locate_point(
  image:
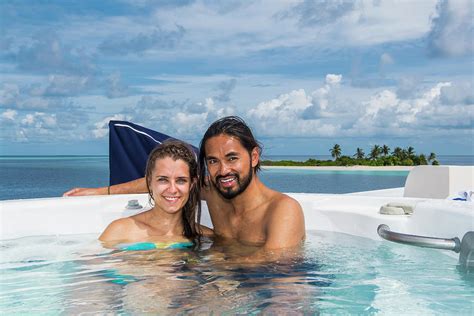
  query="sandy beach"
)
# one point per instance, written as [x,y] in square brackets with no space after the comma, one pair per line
[344,168]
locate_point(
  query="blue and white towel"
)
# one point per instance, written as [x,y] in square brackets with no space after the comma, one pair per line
[463,196]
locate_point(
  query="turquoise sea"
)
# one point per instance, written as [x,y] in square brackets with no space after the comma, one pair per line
[49,176]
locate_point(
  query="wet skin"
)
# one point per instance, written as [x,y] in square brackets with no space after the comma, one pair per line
[241,206]
[170,185]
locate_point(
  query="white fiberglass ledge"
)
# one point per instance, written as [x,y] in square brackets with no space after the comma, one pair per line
[350,214]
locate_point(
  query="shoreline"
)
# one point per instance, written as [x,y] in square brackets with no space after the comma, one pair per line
[344,168]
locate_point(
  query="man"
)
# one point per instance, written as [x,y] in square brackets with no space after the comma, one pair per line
[240,205]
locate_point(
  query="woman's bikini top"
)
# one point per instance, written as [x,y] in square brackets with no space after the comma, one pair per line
[154,245]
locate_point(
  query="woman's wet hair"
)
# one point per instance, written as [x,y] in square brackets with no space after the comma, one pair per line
[178,150]
[232,126]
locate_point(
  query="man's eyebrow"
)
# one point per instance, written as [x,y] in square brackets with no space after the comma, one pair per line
[229,154]
[232,153]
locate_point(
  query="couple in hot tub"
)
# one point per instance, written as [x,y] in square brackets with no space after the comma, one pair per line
[241,207]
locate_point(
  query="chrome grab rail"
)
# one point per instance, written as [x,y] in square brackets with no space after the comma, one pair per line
[453,244]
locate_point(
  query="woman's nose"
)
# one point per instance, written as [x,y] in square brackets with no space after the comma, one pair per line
[172,187]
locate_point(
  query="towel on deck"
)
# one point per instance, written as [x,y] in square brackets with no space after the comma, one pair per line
[129,147]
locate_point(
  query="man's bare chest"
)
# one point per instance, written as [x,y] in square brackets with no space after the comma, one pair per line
[247,230]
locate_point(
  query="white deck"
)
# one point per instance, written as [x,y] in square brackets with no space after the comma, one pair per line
[351,214]
[356,214]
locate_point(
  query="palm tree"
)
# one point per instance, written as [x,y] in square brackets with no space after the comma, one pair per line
[336,151]
[385,150]
[431,157]
[375,152]
[398,152]
[410,152]
[359,153]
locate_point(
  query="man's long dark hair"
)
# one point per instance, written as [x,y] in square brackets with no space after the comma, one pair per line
[232,126]
[179,150]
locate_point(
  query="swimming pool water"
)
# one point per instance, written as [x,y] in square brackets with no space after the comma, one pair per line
[335,274]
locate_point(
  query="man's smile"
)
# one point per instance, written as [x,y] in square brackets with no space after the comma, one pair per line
[227,181]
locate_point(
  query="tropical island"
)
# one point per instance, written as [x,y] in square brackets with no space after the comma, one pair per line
[379,156]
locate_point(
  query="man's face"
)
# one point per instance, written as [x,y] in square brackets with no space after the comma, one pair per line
[229,164]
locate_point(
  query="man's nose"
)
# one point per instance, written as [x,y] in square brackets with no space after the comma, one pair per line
[224,169]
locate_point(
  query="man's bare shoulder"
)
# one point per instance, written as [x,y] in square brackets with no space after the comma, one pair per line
[285,210]
[285,225]
[284,203]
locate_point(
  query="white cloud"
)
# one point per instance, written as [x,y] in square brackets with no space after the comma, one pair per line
[283,117]
[225,89]
[383,100]
[323,114]
[28,120]
[193,125]
[333,79]
[47,52]
[387,21]
[157,38]
[404,117]
[61,85]
[102,127]
[173,67]
[9,114]
[457,94]
[114,86]
[267,24]
[40,120]
[286,106]
[452,29]
[9,94]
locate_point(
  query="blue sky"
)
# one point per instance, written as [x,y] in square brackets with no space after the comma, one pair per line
[304,74]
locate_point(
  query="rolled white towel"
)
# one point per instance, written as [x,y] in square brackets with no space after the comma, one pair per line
[408,208]
[397,208]
[391,210]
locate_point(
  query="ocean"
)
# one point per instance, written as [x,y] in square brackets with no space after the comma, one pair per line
[25,177]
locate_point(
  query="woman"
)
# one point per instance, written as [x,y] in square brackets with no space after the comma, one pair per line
[171,178]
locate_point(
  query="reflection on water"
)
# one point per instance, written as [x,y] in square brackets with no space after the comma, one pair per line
[333,273]
[70,277]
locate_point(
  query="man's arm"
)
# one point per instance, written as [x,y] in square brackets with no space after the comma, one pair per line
[134,186]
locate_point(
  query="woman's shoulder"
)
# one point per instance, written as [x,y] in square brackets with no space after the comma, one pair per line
[118,229]
[124,223]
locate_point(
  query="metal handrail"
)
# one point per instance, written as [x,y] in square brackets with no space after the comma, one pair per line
[453,244]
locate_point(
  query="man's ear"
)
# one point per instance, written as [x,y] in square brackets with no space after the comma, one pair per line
[255,156]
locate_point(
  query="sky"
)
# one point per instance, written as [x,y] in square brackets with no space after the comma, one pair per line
[305,75]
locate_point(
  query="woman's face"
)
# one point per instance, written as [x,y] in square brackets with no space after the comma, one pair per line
[170,184]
